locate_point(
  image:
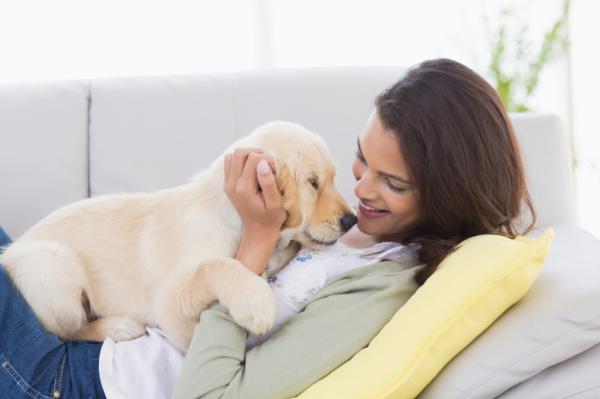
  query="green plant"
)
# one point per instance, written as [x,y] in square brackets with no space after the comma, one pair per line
[514,68]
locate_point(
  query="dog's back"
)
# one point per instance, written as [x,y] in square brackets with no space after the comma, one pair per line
[113,251]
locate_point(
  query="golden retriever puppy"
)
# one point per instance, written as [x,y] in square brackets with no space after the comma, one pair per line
[110,265]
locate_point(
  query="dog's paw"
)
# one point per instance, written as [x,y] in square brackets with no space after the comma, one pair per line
[253,306]
[123,329]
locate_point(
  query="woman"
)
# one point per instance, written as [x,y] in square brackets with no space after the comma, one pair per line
[437,163]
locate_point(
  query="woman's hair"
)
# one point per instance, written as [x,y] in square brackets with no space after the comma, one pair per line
[462,155]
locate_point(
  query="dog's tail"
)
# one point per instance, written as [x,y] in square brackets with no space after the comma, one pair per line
[52,279]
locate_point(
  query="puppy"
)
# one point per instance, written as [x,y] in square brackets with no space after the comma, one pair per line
[108,266]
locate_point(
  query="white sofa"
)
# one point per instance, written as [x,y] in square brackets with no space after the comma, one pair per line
[68,140]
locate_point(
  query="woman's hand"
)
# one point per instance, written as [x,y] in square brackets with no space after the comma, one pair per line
[250,186]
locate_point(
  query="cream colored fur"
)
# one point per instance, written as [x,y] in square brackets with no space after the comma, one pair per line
[110,265]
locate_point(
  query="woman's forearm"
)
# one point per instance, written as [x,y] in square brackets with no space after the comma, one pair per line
[256,246]
[343,317]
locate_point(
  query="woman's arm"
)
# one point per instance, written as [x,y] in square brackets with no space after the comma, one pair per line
[251,188]
[341,320]
[256,246]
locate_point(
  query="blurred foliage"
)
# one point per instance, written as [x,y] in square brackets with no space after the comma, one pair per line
[515,66]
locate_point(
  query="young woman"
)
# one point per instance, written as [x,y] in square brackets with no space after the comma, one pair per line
[437,163]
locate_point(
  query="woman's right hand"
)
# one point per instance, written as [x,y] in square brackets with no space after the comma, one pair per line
[250,186]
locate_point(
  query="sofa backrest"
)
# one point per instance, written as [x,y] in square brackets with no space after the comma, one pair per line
[64,141]
[43,150]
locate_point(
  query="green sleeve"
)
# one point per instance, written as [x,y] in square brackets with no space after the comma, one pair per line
[340,321]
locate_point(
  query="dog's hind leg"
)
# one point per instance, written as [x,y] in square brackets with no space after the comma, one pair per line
[117,328]
[51,279]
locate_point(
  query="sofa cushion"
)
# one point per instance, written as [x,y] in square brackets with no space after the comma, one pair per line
[556,320]
[157,132]
[43,150]
[474,285]
[576,377]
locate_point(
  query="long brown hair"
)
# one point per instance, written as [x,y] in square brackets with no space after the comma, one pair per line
[462,154]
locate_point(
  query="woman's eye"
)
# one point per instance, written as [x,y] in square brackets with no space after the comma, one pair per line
[314,183]
[396,188]
[359,156]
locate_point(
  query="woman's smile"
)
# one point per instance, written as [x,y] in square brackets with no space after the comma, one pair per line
[371,212]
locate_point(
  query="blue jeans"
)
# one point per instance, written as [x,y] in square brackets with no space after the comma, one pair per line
[35,363]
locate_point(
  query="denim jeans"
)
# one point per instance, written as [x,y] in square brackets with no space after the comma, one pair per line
[35,363]
[4,239]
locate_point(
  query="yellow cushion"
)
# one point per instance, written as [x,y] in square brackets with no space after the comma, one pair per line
[473,286]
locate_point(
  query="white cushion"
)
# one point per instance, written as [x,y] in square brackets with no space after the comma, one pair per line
[43,150]
[153,133]
[576,377]
[547,156]
[556,320]
[156,132]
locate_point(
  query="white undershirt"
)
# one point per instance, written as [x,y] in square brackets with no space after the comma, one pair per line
[147,367]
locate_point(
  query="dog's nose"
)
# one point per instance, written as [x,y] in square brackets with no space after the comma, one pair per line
[347,221]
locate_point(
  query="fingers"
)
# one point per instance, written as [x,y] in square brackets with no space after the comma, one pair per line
[252,189]
[266,180]
[240,155]
[249,178]
[233,166]
[240,171]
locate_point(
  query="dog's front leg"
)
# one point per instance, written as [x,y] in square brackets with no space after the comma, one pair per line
[248,297]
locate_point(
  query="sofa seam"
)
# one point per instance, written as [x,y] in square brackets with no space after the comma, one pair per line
[88,137]
[234,105]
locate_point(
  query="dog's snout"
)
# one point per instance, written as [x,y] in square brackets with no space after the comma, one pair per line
[347,221]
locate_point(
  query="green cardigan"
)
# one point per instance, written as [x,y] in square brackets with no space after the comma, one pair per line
[342,319]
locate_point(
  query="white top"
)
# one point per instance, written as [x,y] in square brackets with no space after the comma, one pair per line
[147,367]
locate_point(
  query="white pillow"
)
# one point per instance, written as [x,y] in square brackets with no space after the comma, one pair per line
[557,319]
[575,376]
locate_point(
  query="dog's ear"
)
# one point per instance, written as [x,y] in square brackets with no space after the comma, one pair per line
[283,172]
[285,178]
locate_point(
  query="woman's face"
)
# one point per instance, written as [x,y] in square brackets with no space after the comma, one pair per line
[388,204]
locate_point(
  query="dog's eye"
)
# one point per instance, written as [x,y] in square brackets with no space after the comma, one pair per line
[315,183]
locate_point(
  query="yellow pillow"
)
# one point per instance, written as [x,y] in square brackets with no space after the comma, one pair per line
[473,286]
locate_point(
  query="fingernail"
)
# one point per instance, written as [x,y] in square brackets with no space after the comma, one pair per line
[263,167]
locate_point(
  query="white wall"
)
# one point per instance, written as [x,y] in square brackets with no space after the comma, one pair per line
[71,39]
[585,77]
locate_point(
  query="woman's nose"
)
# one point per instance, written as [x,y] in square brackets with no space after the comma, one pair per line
[364,187]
